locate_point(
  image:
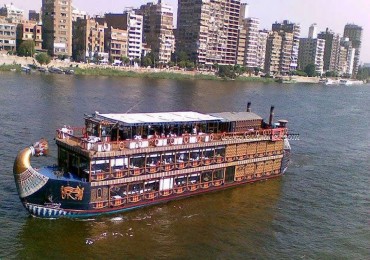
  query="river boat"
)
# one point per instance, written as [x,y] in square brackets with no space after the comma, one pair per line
[348,82]
[118,162]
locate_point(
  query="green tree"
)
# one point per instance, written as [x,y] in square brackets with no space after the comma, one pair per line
[147,61]
[189,65]
[363,73]
[43,58]
[182,64]
[310,69]
[226,71]
[183,56]
[171,64]
[26,48]
[137,60]
[125,60]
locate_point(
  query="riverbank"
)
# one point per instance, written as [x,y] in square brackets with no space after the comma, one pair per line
[11,63]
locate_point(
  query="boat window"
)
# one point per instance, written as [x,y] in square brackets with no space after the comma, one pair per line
[208,153]
[99,193]
[151,186]
[119,162]
[230,173]
[153,159]
[195,154]
[100,165]
[119,190]
[193,178]
[218,174]
[137,161]
[63,158]
[168,158]
[182,156]
[220,151]
[206,176]
[180,181]
[135,188]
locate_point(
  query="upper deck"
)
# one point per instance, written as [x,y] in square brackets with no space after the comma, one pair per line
[107,135]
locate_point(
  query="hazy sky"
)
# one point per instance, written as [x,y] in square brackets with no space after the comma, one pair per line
[326,13]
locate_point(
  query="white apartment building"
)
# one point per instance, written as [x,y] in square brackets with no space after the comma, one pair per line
[7,36]
[12,13]
[251,42]
[135,35]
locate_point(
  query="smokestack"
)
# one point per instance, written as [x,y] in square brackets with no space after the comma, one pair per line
[249,107]
[271,115]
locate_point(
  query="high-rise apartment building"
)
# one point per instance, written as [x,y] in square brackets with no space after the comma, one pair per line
[312,31]
[158,30]
[311,51]
[11,13]
[354,34]
[295,29]
[57,26]
[251,42]
[133,24]
[331,52]
[88,39]
[208,30]
[273,53]
[7,35]
[261,48]
[30,31]
[240,55]
[346,59]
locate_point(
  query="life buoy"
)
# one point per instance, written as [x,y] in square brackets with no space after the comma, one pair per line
[172,140]
[186,139]
[211,137]
[121,145]
[156,141]
[223,136]
[245,135]
[199,138]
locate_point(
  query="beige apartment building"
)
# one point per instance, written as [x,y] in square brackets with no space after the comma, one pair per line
[208,30]
[116,43]
[158,30]
[88,39]
[57,26]
[295,30]
[30,31]
[273,53]
[261,48]
[7,35]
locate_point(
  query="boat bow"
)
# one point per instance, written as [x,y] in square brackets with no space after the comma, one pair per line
[27,179]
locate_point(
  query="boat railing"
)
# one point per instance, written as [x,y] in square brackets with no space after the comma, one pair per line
[77,136]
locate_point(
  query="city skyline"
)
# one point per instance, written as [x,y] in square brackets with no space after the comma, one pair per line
[335,17]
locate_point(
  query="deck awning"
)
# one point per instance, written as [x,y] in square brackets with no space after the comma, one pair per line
[159,118]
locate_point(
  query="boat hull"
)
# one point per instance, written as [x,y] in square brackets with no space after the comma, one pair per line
[57,210]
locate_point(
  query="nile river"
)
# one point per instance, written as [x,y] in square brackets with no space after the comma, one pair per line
[318,210]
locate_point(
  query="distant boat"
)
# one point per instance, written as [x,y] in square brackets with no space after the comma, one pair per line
[328,81]
[349,82]
[56,70]
[26,69]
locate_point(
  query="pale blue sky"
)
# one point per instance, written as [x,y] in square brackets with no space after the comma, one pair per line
[326,13]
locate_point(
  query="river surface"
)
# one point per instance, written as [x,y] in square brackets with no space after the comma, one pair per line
[318,210]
